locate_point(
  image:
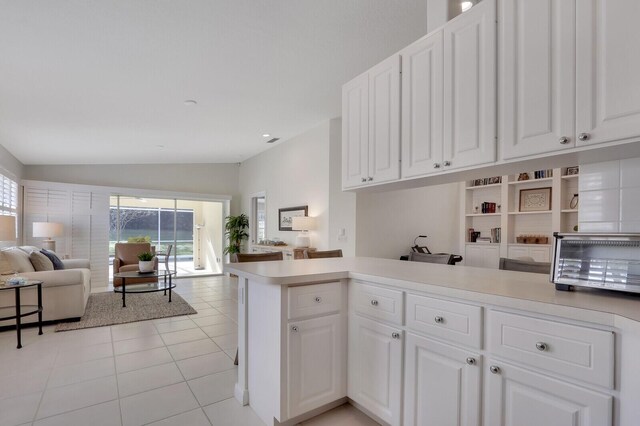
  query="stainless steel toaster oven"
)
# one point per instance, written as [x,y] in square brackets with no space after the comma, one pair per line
[606,261]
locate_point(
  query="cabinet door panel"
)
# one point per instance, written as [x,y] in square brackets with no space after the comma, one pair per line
[608,70]
[537,79]
[422,102]
[441,387]
[355,131]
[375,368]
[384,120]
[316,359]
[470,87]
[517,397]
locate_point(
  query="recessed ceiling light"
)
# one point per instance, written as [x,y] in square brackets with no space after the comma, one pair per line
[466,5]
[190,102]
[160,146]
[266,135]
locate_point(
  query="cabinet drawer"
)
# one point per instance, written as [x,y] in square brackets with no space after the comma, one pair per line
[453,321]
[579,352]
[316,299]
[379,302]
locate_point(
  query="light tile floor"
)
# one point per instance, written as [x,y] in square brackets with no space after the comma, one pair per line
[170,371]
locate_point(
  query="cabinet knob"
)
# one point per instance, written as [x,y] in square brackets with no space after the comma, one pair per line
[318,299]
[294,328]
[439,319]
[436,165]
[395,335]
[584,136]
[370,179]
[471,361]
[364,179]
[447,163]
[564,140]
[494,369]
[374,303]
[541,346]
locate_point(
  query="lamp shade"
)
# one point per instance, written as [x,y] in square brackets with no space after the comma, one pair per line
[303,223]
[7,228]
[47,229]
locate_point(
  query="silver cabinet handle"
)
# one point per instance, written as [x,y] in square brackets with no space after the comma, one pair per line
[294,328]
[494,369]
[395,335]
[439,319]
[370,179]
[564,140]
[374,302]
[447,163]
[436,165]
[541,346]
[584,136]
[364,179]
[471,361]
[318,299]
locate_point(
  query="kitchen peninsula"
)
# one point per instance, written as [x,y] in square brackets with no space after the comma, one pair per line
[411,344]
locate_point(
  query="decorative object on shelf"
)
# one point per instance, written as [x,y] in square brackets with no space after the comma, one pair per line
[476,209]
[275,243]
[145,262]
[48,230]
[535,200]
[573,204]
[303,224]
[473,235]
[285,216]
[532,239]
[523,176]
[236,231]
[573,170]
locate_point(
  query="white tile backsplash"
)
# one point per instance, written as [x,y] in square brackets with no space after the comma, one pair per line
[600,206]
[630,172]
[605,175]
[599,227]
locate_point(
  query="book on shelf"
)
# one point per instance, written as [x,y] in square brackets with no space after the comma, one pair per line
[543,174]
[487,207]
[483,240]
[496,235]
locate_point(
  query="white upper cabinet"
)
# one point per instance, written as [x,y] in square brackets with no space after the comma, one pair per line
[371,126]
[355,131]
[470,87]
[422,100]
[608,71]
[537,76]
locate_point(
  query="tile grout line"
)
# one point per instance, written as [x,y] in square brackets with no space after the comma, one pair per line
[55,360]
[115,370]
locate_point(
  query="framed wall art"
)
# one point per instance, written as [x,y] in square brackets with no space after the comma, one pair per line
[535,200]
[286,215]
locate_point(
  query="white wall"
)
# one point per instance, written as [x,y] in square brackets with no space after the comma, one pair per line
[387,222]
[293,173]
[219,179]
[11,163]
[610,196]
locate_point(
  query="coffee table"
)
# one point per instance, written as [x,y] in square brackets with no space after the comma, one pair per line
[160,285]
[17,309]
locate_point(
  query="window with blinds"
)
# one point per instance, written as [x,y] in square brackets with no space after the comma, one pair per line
[8,196]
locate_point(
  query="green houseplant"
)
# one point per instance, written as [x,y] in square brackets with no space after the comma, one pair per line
[236,231]
[145,262]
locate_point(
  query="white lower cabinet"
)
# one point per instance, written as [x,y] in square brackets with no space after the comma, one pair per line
[442,384]
[517,397]
[482,255]
[316,356]
[375,368]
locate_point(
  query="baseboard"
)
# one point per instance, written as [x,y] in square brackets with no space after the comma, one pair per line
[366,412]
[313,413]
[241,395]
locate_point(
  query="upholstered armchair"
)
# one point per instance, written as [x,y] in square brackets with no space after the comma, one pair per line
[126,260]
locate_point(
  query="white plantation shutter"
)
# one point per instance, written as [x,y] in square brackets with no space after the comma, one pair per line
[8,196]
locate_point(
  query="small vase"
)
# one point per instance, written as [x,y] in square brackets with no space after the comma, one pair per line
[146,265]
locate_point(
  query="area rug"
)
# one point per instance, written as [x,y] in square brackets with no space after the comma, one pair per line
[106,309]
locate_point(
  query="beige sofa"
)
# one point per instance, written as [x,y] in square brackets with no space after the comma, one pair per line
[64,292]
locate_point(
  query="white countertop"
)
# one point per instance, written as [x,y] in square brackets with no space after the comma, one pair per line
[515,289]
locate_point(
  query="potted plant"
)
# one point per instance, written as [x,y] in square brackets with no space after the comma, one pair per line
[236,231]
[145,262]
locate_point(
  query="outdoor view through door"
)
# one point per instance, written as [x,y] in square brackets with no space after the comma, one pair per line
[189,232]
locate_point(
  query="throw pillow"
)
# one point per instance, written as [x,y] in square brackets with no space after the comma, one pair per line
[40,262]
[5,265]
[19,260]
[57,263]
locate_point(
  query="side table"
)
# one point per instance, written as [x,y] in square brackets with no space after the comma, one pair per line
[18,308]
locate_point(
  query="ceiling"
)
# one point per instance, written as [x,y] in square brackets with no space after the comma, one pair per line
[104,81]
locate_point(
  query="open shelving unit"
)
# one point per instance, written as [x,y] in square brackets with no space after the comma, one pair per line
[513,222]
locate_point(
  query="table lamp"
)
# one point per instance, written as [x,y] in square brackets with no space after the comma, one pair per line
[304,224]
[47,230]
[7,228]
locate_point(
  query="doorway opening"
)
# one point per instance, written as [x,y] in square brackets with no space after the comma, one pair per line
[258,220]
[189,232]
